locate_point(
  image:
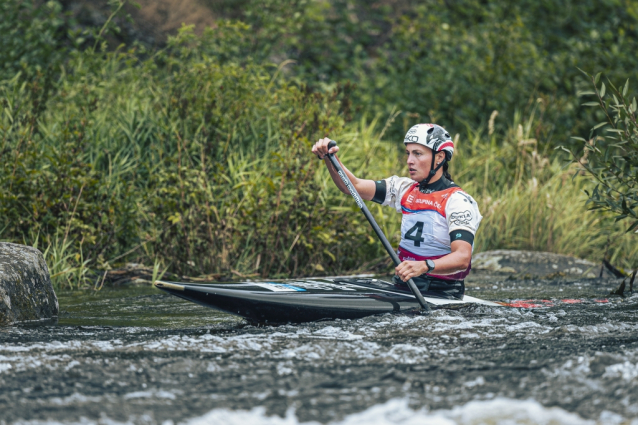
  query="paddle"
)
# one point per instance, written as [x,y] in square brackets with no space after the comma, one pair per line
[357,198]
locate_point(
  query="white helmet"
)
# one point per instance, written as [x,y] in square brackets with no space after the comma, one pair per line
[432,136]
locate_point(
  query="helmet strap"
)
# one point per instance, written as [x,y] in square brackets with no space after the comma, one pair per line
[433,170]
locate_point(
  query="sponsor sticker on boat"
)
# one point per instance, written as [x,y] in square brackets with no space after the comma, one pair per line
[278,287]
[302,286]
[322,286]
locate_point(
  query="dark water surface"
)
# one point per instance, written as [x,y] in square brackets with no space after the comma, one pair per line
[138,356]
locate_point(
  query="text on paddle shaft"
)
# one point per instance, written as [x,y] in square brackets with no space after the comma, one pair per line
[353,192]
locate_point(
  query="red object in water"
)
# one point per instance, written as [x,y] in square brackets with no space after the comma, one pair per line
[526,304]
[549,303]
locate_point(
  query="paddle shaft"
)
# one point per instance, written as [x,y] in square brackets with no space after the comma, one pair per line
[373,223]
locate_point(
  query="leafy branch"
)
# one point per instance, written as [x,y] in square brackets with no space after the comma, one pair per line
[610,154]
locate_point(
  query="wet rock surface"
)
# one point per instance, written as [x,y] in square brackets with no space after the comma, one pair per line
[26,292]
[534,264]
[135,355]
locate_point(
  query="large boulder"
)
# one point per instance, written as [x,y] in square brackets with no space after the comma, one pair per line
[533,263]
[26,292]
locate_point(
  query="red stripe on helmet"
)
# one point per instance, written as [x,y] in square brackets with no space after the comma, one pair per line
[445,145]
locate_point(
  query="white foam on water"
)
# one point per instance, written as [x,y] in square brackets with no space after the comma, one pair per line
[602,328]
[526,326]
[256,416]
[150,394]
[75,399]
[57,346]
[627,371]
[22,362]
[499,411]
[340,341]
[267,342]
[284,368]
[404,353]
[332,332]
[510,320]
[479,381]
[71,365]
[104,420]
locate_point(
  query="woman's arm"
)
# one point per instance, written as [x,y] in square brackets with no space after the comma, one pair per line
[456,261]
[366,188]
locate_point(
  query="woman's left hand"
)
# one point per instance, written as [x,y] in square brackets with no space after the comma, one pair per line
[409,269]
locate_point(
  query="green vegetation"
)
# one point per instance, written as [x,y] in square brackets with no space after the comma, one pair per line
[612,158]
[196,156]
[451,62]
[530,200]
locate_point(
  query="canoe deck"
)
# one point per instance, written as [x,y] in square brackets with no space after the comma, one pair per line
[307,300]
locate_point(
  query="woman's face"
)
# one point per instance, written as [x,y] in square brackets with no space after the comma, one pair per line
[419,161]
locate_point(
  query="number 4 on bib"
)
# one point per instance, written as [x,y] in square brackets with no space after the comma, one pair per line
[415,233]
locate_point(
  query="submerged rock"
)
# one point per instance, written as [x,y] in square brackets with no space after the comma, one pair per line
[532,263]
[26,292]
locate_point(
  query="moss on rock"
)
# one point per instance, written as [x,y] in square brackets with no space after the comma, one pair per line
[26,292]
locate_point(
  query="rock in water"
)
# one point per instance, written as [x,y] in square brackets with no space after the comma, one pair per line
[26,292]
[540,264]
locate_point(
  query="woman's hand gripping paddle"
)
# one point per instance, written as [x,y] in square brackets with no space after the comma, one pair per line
[335,163]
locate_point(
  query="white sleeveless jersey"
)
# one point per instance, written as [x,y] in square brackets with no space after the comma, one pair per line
[429,218]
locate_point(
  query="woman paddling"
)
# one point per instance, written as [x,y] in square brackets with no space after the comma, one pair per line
[439,218]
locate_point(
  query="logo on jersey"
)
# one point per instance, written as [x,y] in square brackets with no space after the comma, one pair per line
[428,202]
[461,218]
[414,201]
[467,197]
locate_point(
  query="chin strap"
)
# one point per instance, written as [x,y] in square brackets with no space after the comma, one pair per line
[423,184]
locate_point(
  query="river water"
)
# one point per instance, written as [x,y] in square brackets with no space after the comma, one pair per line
[136,355]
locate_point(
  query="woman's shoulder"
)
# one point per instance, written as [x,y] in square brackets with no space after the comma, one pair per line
[392,189]
[400,180]
[459,199]
[399,184]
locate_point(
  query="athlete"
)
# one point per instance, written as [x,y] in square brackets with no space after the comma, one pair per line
[439,218]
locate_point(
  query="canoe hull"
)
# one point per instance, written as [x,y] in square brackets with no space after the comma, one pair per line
[305,301]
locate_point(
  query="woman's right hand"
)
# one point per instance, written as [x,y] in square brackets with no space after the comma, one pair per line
[321,148]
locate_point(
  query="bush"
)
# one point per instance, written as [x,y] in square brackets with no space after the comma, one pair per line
[611,158]
[180,159]
[32,37]
[529,199]
[450,62]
